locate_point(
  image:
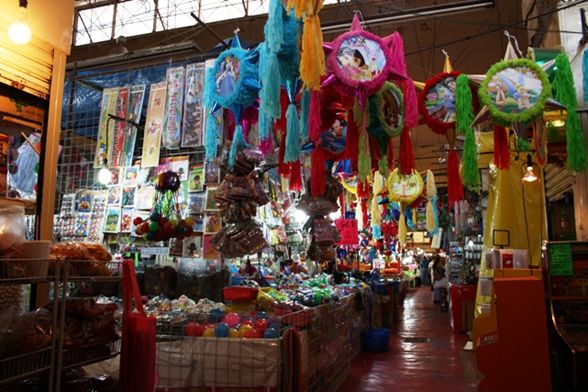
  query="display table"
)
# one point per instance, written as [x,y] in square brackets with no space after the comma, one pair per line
[462,300]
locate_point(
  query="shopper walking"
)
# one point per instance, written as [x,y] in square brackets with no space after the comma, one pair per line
[440,282]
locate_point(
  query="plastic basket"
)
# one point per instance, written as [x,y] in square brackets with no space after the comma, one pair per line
[237,293]
[375,340]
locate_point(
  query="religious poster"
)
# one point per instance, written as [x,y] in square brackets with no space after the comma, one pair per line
[192,122]
[154,125]
[128,106]
[171,135]
[104,142]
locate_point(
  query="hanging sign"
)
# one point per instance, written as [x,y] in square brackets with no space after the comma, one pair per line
[171,135]
[154,125]
[348,230]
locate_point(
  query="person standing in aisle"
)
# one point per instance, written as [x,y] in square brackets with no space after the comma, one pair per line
[440,282]
[425,274]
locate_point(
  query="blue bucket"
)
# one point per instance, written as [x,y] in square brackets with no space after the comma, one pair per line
[375,340]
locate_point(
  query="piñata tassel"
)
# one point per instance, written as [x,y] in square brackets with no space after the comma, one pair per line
[415,217]
[375,211]
[317,177]
[464,112]
[295,176]
[237,144]
[359,215]
[304,114]
[501,150]
[264,132]
[312,60]
[352,141]
[390,155]
[275,26]
[406,153]
[565,92]
[454,185]
[378,186]
[402,229]
[364,213]
[269,94]
[314,121]
[383,166]
[364,160]
[292,153]
[212,139]
[471,174]
[363,191]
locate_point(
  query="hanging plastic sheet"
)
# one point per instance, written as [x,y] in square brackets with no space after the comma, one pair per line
[517,207]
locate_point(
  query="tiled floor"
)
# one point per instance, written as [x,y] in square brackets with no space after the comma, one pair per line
[430,359]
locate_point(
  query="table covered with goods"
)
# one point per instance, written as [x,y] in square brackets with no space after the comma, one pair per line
[301,336]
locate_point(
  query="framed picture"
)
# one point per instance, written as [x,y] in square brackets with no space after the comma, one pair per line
[128,196]
[192,246]
[84,201]
[208,250]
[212,223]
[112,220]
[146,175]
[115,172]
[144,197]
[212,173]
[114,195]
[131,174]
[198,223]
[196,203]
[210,204]
[196,178]
[126,220]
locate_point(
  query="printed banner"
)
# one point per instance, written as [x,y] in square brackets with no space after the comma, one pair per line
[125,134]
[192,122]
[104,140]
[154,125]
[218,115]
[171,135]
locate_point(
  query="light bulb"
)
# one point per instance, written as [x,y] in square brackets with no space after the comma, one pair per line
[104,176]
[530,176]
[19,32]
[299,215]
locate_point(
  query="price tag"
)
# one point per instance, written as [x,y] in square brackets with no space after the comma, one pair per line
[560,259]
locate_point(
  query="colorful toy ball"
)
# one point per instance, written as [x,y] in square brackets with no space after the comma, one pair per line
[216,315]
[244,329]
[194,329]
[261,324]
[222,330]
[232,319]
[209,333]
[252,334]
[234,333]
[271,333]
[261,314]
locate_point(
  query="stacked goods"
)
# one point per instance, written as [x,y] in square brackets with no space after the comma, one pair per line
[98,257]
[238,196]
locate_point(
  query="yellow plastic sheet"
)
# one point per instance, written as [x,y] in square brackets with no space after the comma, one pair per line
[518,207]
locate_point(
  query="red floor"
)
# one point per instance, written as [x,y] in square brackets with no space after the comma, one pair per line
[434,365]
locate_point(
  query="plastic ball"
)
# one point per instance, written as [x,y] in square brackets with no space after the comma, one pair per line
[271,333]
[252,334]
[155,216]
[139,230]
[153,227]
[261,314]
[234,333]
[209,333]
[216,315]
[247,321]
[151,236]
[222,330]
[260,324]
[243,329]
[194,329]
[137,221]
[232,319]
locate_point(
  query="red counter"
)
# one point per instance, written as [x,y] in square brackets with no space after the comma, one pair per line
[462,299]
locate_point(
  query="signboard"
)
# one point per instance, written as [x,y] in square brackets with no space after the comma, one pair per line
[560,259]
[348,230]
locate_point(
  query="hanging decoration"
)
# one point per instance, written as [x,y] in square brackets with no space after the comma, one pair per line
[565,92]
[404,188]
[464,118]
[312,61]
[432,220]
[515,91]
[165,220]
[232,83]
[386,113]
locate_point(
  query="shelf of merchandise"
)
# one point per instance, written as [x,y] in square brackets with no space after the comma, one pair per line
[84,272]
[15,272]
